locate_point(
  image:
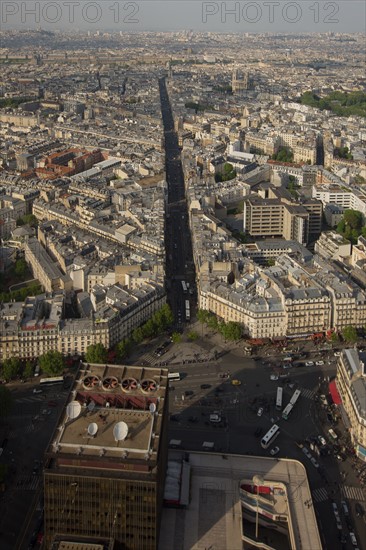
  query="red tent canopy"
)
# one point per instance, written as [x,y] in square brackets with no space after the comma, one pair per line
[334,393]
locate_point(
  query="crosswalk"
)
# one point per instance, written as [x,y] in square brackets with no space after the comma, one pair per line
[30,399]
[320,495]
[309,394]
[353,493]
[27,482]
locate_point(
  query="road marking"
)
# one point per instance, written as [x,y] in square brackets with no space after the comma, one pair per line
[320,495]
[353,493]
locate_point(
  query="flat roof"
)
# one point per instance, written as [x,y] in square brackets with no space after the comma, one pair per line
[214,517]
[113,412]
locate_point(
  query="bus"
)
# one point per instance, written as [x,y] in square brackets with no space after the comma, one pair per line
[188,311]
[287,411]
[184,287]
[279,398]
[174,376]
[295,397]
[52,381]
[270,436]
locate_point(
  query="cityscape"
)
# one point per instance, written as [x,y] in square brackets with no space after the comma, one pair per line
[182,281]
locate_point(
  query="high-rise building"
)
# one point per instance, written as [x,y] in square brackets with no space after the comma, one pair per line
[105,466]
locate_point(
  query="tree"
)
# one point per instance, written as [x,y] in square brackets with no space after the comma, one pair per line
[11,368]
[138,335]
[167,315]
[192,335]
[20,267]
[176,337]
[353,218]
[212,321]
[334,338]
[202,315]
[28,370]
[349,334]
[123,348]
[232,331]
[52,363]
[6,402]
[96,353]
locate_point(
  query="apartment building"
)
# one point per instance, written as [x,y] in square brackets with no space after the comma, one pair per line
[332,246]
[105,466]
[30,329]
[44,269]
[351,385]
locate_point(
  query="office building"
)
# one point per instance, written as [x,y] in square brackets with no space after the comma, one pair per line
[105,466]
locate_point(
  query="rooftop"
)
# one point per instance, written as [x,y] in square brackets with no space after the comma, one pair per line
[113,413]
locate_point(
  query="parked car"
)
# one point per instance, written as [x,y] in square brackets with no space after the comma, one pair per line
[187,393]
[322,440]
[260,411]
[205,386]
[309,364]
[236,382]
[274,377]
[319,363]
[314,462]
[37,391]
[274,451]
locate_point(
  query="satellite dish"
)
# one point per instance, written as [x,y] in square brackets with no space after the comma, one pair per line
[91,406]
[120,431]
[73,409]
[152,408]
[92,429]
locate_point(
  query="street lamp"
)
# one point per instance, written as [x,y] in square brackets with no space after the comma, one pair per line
[258,481]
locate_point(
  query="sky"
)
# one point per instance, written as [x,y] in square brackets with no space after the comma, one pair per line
[346,16]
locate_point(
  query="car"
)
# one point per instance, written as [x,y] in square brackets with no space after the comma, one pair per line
[306,452]
[274,377]
[260,411]
[175,417]
[353,538]
[359,510]
[345,508]
[322,440]
[337,354]
[205,386]
[37,391]
[309,364]
[274,451]
[319,363]
[258,432]
[236,382]
[187,393]
[314,462]
[193,419]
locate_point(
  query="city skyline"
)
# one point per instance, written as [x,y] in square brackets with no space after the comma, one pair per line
[180,16]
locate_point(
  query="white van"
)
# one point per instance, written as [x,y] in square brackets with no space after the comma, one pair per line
[208,446]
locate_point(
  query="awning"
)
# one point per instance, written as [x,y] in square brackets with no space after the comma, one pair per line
[334,393]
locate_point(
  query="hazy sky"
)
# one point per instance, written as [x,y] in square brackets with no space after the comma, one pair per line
[171,15]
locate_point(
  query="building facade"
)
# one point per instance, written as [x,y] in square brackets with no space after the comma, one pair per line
[351,384]
[105,467]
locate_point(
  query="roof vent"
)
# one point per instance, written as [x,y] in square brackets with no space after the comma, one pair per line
[149,386]
[129,384]
[110,383]
[91,382]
